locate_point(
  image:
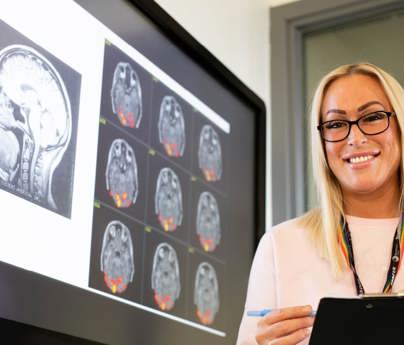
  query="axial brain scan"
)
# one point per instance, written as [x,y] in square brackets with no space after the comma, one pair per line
[121,174]
[126,95]
[210,154]
[35,123]
[171,127]
[208,222]
[165,277]
[117,258]
[168,200]
[206,293]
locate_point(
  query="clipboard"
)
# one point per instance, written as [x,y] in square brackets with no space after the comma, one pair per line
[367,319]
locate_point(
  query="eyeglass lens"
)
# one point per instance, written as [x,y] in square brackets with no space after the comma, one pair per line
[370,124]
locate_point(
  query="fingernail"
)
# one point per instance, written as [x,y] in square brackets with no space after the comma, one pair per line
[308,331]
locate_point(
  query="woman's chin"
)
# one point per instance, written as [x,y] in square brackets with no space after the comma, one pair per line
[361,188]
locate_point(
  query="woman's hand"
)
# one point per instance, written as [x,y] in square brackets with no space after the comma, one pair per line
[286,326]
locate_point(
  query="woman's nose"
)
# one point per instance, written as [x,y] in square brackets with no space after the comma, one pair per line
[356,136]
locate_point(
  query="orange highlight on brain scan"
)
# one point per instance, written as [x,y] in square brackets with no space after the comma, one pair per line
[164,302]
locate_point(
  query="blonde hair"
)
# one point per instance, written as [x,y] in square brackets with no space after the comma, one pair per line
[323,222]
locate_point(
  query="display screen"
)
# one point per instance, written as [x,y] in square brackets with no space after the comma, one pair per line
[159,222]
[127,173]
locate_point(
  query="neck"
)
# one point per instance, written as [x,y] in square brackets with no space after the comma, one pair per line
[384,203]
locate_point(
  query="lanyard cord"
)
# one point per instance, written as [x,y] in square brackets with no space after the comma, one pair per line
[396,253]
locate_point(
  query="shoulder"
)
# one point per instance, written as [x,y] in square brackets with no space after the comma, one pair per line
[288,225]
[290,228]
[308,225]
[294,235]
[291,236]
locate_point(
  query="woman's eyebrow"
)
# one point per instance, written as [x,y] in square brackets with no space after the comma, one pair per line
[368,104]
[338,111]
[362,107]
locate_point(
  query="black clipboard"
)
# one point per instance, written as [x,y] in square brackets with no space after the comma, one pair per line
[368,319]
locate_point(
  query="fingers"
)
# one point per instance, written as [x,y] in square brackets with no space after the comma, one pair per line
[287,313]
[291,339]
[285,326]
[286,330]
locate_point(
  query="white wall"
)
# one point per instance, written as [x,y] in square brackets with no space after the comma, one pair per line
[237,33]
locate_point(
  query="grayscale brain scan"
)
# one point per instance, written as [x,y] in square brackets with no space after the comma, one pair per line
[121,174]
[171,127]
[168,200]
[208,222]
[126,95]
[117,257]
[35,123]
[206,293]
[210,154]
[165,278]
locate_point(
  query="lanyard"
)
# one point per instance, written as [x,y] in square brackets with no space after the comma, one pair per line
[396,253]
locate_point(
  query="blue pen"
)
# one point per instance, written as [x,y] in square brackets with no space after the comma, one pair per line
[264,312]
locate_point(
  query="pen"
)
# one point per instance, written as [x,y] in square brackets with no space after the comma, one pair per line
[264,312]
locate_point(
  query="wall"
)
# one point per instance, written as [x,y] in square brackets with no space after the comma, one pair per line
[237,33]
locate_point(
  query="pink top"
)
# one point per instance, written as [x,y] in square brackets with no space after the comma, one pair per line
[287,271]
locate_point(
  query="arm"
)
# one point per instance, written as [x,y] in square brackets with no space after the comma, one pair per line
[261,291]
[285,326]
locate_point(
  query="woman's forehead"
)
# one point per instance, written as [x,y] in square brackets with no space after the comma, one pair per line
[349,93]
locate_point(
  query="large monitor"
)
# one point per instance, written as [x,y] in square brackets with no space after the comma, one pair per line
[131,176]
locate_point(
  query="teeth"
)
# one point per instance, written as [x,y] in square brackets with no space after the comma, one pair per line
[360,159]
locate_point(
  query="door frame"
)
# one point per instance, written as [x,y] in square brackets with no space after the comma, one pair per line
[288,24]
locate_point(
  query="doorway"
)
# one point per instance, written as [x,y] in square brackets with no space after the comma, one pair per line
[378,40]
[308,39]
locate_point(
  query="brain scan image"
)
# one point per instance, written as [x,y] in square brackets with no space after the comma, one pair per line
[126,95]
[168,200]
[35,123]
[206,293]
[121,174]
[208,222]
[171,127]
[165,278]
[210,154]
[117,258]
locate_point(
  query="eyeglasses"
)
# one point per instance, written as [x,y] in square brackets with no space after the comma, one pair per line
[369,124]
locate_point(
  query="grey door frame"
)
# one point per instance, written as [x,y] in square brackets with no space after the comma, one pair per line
[288,24]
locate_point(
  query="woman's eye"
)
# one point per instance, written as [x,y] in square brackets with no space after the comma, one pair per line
[335,125]
[374,117]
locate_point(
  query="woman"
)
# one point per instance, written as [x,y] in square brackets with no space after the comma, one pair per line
[356,120]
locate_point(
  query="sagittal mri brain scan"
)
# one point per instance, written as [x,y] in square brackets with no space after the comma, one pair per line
[126,95]
[208,222]
[165,278]
[117,257]
[121,174]
[171,127]
[210,154]
[206,293]
[35,122]
[168,200]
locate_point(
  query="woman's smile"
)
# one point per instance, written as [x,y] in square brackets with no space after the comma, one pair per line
[360,160]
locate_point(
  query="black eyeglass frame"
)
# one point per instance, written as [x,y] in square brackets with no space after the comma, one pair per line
[356,122]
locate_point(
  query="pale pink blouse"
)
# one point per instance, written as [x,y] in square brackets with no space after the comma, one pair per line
[287,271]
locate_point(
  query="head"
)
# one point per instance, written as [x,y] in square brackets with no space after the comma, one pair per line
[347,88]
[345,93]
